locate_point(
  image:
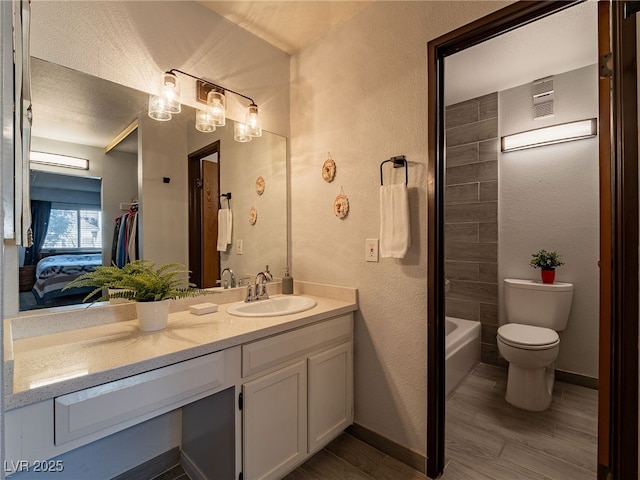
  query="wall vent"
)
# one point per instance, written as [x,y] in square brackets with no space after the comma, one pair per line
[543,96]
[543,87]
[543,110]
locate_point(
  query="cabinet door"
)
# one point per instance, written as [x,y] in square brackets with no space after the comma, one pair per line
[275,422]
[330,394]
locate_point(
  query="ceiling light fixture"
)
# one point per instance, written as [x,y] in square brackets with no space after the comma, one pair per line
[52,159]
[167,103]
[564,132]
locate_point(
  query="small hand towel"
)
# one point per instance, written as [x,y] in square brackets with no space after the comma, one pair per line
[395,228]
[225,222]
[229,225]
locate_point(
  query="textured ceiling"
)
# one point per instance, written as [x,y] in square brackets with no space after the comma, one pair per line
[288,25]
[74,107]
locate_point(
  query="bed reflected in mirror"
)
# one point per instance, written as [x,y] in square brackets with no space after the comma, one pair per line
[68,238]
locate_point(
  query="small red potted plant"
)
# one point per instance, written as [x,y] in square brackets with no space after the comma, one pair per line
[547,263]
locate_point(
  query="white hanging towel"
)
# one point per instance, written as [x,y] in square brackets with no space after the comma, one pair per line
[395,228]
[225,225]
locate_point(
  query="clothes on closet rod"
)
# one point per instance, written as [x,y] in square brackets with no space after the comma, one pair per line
[125,247]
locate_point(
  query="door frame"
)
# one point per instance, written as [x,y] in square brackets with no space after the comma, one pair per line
[195,192]
[618,394]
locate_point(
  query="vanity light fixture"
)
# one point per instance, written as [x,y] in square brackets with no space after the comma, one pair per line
[564,132]
[167,103]
[55,160]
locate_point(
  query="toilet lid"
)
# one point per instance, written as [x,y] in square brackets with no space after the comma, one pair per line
[528,337]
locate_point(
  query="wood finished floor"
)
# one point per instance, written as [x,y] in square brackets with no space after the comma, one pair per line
[346,458]
[488,439]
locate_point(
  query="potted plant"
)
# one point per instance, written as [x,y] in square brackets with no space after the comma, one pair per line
[547,263]
[142,283]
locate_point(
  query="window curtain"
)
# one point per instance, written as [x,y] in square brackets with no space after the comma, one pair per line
[40,211]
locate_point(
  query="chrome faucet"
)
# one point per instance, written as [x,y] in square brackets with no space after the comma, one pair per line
[232,278]
[257,291]
[261,286]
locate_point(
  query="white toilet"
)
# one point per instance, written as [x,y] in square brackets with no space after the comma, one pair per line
[529,341]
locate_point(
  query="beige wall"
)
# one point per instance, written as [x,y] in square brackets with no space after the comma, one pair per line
[360,93]
[549,199]
[265,242]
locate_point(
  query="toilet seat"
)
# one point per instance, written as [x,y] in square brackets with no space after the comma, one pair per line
[528,337]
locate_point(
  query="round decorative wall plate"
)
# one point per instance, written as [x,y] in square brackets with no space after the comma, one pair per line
[341,206]
[328,170]
[260,185]
[253,215]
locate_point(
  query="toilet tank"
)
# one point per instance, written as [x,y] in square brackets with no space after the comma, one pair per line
[531,302]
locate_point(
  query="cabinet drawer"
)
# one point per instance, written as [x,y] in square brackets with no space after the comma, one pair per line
[263,354]
[122,403]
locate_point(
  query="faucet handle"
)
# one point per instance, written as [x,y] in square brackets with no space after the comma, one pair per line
[249,296]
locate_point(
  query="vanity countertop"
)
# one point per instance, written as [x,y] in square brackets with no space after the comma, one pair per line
[46,366]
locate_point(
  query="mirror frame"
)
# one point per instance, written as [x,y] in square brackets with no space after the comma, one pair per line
[618,392]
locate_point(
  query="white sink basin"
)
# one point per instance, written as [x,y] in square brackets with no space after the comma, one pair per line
[274,306]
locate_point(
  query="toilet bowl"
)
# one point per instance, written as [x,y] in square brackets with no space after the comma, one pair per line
[531,353]
[530,342]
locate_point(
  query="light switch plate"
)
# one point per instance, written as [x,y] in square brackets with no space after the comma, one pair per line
[371,250]
[239,247]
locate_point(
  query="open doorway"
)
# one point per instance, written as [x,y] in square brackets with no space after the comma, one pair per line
[618,229]
[204,198]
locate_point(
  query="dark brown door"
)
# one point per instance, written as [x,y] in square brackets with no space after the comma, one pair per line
[618,357]
[210,196]
[204,194]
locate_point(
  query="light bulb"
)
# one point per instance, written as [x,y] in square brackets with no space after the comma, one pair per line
[216,109]
[253,121]
[241,133]
[170,92]
[157,109]
[204,122]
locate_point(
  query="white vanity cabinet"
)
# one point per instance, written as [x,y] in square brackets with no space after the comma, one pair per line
[297,395]
[52,427]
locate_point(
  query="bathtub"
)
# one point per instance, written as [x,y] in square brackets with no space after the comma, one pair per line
[462,350]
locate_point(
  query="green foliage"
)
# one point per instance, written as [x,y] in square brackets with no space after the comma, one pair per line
[138,281]
[546,260]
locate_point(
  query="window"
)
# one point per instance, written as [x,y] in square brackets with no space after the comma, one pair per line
[74,228]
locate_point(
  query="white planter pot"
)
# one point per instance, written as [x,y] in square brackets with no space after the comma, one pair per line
[152,315]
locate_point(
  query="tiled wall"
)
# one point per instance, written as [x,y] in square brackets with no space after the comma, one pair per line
[471,216]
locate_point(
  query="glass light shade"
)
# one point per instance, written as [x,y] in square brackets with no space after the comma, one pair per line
[216,108]
[204,122]
[253,121]
[241,133]
[157,110]
[170,92]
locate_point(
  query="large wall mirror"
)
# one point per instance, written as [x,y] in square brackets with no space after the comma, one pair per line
[139,168]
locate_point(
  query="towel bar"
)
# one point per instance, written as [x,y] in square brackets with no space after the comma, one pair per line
[228,197]
[398,162]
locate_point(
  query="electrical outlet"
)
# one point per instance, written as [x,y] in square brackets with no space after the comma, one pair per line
[238,247]
[371,250]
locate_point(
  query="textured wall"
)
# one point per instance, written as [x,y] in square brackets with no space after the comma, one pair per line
[264,243]
[548,198]
[164,212]
[360,93]
[471,216]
